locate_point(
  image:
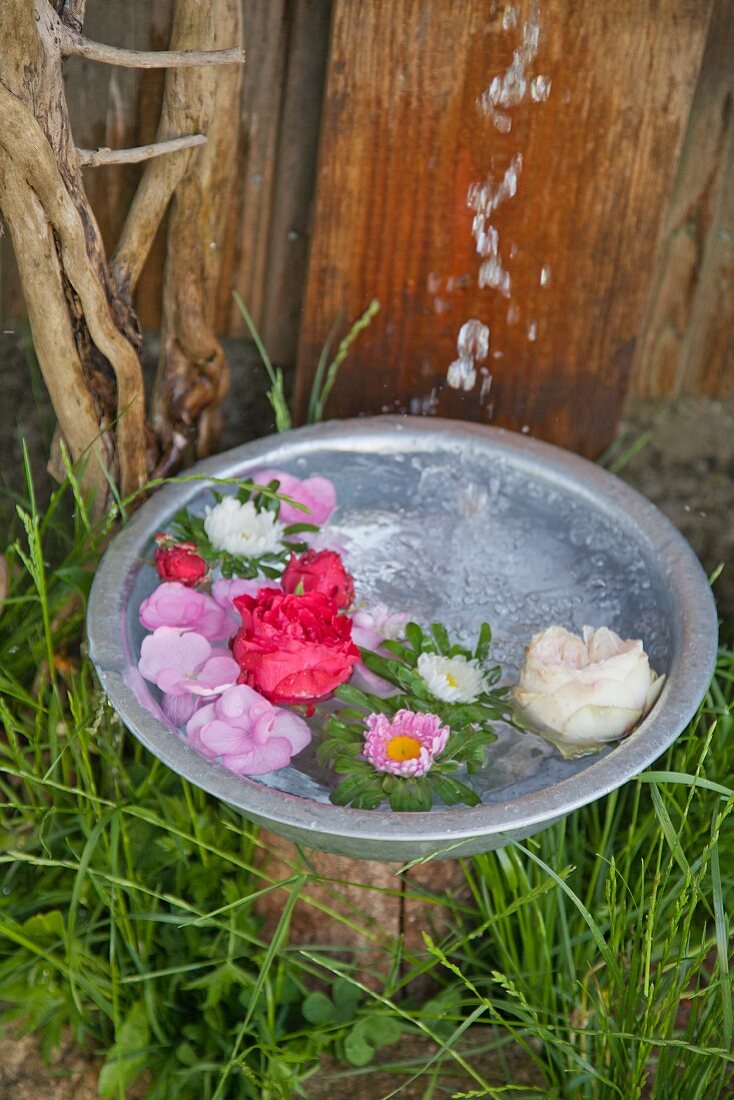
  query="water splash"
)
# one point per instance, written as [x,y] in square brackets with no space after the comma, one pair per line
[472,346]
[484,199]
[510,88]
[426,405]
[506,91]
[540,88]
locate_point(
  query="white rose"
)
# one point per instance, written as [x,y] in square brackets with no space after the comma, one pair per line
[582,692]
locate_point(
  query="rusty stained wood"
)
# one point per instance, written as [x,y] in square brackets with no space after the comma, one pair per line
[688,343]
[402,141]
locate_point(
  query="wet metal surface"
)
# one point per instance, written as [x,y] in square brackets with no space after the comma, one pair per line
[461,523]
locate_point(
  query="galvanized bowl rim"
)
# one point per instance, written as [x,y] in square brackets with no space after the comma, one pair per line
[695,636]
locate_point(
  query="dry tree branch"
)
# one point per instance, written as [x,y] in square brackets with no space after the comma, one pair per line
[74,43]
[27,146]
[192,370]
[103,156]
[71,12]
[180,110]
[53,334]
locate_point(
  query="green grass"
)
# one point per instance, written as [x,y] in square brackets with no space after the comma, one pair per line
[596,953]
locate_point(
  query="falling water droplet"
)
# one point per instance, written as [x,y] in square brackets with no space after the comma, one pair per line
[532,330]
[540,88]
[509,18]
[461,374]
[545,275]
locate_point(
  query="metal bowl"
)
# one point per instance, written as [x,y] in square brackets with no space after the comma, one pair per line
[456,522]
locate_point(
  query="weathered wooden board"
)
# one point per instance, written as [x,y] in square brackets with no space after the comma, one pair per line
[596,187]
[403,140]
[274,139]
[286,42]
[688,344]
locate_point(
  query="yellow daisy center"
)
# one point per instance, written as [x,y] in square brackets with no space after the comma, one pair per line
[403,748]
[450,680]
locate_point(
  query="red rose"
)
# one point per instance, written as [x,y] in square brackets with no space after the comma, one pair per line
[178,561]
[319,572]
[293,649]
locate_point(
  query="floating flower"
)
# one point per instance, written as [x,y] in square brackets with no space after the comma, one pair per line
[179,708]
[178,561]
[225,591]
[293,649]
[251,736]
[173,604]
[452,679]
[317,493]
[378,624]
[181,662]
[406,745]
[370,627]
[321,571]
[240,529]
[583,691]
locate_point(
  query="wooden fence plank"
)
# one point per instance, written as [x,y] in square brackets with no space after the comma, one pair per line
[688,344]
[289,236]
[576,192]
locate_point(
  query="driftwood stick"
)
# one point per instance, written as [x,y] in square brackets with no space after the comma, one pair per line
[28,148]
[192,374]
[103,156]
[73,43]
[80,421]
[71,12]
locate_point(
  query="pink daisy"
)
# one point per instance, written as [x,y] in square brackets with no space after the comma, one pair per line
[406,745]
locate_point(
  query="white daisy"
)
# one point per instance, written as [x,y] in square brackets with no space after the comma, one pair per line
[452,679]
[241,529]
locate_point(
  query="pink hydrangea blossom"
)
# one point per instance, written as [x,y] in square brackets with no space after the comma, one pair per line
[179,708]
[377,624]
[175,605]
[226,590]
[405,745]
[182,662]
[371,626]
[249,734]
[317,493]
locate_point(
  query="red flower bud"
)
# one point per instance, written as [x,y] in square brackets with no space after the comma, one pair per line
[319,572]
[178,561]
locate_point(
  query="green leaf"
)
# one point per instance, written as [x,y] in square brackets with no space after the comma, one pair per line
[483,643]
[411,795]
[382,1031]
[319,1009]
[346,995]
[452,792]
[349,788]
[415,637]
[128,1056]
[357,1049]
[441,635]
